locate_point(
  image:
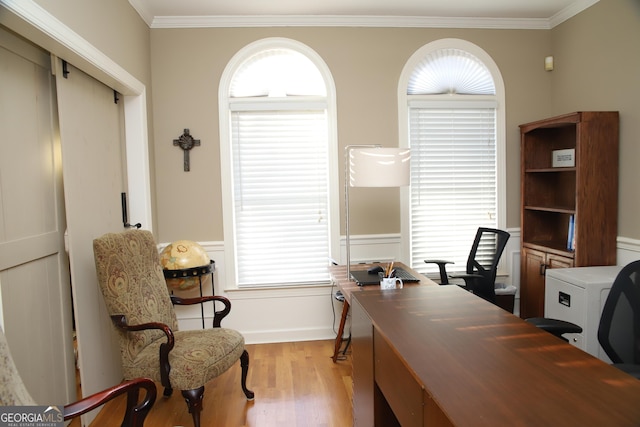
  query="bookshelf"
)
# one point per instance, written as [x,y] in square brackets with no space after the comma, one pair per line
[581,187]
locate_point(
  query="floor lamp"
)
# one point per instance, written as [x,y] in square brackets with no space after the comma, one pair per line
[373,166]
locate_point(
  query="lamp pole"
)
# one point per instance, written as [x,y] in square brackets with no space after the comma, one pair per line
[347,179]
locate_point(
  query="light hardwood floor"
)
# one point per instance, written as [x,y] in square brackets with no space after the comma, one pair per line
[296,384]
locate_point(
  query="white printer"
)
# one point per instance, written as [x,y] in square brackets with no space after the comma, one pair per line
[577,295]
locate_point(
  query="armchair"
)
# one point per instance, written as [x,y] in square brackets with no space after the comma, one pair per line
[138,301]
[14,393]
[482,266]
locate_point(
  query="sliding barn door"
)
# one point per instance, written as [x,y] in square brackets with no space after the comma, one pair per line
[93,158]
[35,302]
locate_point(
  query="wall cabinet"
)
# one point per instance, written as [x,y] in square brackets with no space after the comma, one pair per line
[569,191]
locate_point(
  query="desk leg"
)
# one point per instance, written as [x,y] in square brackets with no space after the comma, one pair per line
[343,320]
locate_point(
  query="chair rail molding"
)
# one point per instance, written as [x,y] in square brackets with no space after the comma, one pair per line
[628,250]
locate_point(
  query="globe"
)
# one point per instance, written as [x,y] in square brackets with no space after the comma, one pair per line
[180,255]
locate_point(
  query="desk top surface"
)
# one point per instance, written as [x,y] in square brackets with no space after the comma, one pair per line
[347,286]
[485,366]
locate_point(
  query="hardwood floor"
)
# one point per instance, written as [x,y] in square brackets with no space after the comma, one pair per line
[296,384]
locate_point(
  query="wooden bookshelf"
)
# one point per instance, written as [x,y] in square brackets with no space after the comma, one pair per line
[586,191]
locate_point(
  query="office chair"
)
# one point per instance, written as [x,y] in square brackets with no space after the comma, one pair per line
[619,328]
[14,393]
[482,266]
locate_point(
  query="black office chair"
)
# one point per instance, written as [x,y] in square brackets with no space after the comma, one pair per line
[482,265]
[619,328]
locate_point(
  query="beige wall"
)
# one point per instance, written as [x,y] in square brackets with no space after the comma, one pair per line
[598,68]
[113,27]
[365,63]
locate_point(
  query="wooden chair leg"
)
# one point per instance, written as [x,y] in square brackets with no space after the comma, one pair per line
[194,403]
[244,363]
[132,401]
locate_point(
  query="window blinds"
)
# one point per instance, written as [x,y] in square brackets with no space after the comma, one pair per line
[280,185]
[453,180]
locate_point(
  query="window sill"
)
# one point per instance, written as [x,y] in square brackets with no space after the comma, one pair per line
[279,291]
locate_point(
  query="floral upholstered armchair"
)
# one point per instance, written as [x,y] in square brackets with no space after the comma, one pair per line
[14,393]
[138,301]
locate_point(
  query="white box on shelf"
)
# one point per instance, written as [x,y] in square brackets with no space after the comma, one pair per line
[563,158]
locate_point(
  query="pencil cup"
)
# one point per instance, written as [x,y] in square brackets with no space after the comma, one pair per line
[390,283]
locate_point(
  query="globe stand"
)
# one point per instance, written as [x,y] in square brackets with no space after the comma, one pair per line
[194,272]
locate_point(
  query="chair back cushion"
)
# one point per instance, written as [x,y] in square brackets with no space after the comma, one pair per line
[619,328]
[12,389]
[132,284]
[484,257]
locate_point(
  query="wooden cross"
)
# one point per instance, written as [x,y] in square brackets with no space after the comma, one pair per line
[186,142]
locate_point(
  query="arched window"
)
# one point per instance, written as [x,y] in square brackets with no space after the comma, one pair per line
[452,101]
[278,153]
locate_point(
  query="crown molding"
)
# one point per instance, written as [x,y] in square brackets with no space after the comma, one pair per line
[245,21]
[143,11]
[570,11]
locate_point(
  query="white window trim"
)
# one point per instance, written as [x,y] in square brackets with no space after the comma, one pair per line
[225,145]
[404,102]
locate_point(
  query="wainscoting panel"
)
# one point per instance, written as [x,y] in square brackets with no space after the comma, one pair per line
[310,312]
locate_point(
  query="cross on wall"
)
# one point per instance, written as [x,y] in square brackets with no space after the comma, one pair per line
[186,143]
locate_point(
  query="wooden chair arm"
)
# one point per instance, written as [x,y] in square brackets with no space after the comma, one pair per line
[218,315]
[120,320]
[135,414]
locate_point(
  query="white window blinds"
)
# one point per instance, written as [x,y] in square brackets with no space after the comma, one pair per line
[280,190]
[453,180]
[451,71]
[277,73]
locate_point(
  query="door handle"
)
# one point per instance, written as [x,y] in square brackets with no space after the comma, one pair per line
[125,215]
[543,269]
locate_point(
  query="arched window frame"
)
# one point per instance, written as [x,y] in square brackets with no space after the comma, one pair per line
[403,119]
[226,154]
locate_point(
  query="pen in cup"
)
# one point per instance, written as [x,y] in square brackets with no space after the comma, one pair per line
[389,269]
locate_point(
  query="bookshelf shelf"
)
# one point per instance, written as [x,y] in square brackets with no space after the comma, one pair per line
[550,209]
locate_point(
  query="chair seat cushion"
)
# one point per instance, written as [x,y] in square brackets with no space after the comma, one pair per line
[197,357]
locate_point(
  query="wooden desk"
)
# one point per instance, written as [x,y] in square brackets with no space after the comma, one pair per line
[347,286]
[442,356]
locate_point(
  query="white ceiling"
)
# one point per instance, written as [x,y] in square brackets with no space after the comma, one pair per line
[443,13]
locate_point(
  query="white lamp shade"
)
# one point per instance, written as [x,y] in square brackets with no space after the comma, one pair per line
[379,167]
